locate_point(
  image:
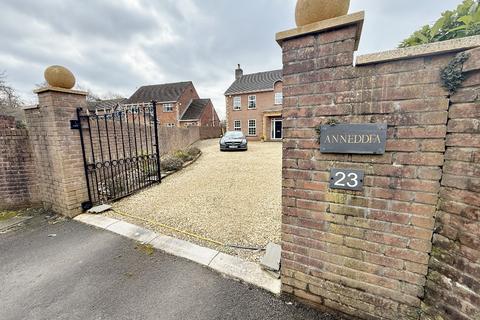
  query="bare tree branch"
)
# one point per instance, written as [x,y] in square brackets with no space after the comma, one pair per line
[8,96]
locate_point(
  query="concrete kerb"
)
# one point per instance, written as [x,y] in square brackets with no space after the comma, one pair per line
[228,265]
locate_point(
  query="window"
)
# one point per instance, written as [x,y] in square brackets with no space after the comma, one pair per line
[252,102]
[252,127]
[237,125]
[278,97]
[170,125]
[133,109]
[237,103]
[168,107]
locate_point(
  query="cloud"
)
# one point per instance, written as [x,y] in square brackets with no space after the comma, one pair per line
[119,45]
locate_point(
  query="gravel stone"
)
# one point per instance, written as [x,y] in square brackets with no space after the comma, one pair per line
[231,197]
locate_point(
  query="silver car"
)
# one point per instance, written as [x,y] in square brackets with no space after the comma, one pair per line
[233,140]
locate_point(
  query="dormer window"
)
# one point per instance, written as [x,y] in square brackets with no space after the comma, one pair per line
[168,107]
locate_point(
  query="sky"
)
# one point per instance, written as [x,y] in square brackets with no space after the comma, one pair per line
[116,46]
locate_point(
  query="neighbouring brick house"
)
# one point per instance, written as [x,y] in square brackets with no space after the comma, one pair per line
[254,105]
[178,104]
[200,112]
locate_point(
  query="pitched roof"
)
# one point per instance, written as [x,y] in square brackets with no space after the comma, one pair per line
[168,92]
[255,82]
[195,109]
[105,104]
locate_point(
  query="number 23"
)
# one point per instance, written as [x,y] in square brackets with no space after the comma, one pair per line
[352,181]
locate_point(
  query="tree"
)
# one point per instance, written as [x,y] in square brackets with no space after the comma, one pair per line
[10,102]
[8,96]
[461,22]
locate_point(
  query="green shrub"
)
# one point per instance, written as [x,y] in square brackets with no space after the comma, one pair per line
[182,155]
[171,163]
[193,151]
[464,21]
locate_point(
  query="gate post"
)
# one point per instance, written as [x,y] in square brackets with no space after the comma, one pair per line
[359,249]
[57,149]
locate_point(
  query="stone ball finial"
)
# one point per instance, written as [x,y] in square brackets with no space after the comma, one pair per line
[60,77]
[310,11]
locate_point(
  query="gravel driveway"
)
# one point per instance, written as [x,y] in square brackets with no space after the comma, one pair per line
[231,197]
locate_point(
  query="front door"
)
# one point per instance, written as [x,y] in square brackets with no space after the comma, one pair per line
[277,129]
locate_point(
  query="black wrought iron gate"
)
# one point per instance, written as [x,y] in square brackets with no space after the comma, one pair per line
[120,148]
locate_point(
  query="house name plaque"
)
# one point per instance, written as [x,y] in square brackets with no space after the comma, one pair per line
[353,138]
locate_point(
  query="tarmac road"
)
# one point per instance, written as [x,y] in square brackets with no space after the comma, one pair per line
[68,270]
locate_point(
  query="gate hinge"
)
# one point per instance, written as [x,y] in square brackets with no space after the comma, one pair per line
[74,124]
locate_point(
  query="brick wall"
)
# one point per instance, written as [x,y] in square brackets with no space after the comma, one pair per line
[453,286]
[210,132]
[172,139]
[18,181]
[366,253]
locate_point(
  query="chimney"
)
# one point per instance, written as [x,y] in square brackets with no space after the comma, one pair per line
[238,72]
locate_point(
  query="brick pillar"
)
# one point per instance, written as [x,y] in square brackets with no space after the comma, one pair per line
[57,149]
[363,253]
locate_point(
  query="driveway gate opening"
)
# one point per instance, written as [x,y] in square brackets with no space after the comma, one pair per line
[120,150]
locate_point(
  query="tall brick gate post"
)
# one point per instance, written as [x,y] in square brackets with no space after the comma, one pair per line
[364,253]
[57,149]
